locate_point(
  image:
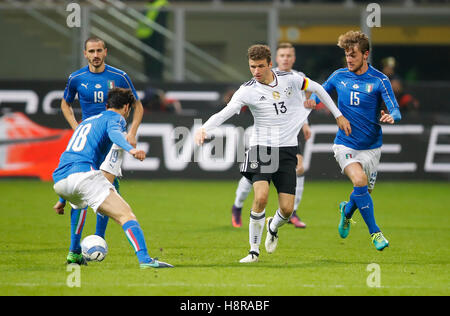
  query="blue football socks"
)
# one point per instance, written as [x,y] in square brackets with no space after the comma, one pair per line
[135,236]
[77,220]
[361,197]
[100,227]
[350,207]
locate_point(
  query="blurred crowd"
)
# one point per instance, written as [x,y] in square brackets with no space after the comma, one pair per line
[406,101]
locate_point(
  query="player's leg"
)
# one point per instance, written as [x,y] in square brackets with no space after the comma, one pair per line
[281,217]
[285,181]
[257,219]
[345,156]
[242,192]
[360,195]
[370,160]
[77,220]
[111,168]
[362,199]
[300,170]
[114,206]
[102,220]
[64,189]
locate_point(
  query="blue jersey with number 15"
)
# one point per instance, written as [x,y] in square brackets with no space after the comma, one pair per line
[90,144]
[360,99]
[92,88]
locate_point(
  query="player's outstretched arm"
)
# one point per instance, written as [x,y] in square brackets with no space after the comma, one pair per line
[119,139]
[137,119]
[215,121]
[322,94]
[387,93]
[67,110]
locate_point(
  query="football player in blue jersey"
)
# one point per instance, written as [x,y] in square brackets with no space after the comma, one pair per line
[79,180]
[92,83]
[361,90]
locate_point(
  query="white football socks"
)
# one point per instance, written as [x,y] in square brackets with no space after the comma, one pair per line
[255,229]
[242,191]
[299,191]
[277,221]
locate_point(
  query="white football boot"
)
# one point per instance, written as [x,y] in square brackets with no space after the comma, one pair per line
[271,238]
[252,257]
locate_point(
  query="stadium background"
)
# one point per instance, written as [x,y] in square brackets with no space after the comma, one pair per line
[199,69]
[197,56]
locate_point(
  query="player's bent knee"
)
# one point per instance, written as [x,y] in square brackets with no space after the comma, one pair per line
[287,212]
[261,202]
[360,181]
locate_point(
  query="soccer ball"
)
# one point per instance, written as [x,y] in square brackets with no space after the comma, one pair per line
[94,248]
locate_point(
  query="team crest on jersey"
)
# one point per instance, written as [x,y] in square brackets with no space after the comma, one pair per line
[111,84]
[369,87]
[276,95]
[98,86]
[288,91]
[355,86]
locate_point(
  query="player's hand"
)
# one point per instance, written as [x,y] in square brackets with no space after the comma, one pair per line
[306,131]
[200,136]
[344,125]
[310,104]
[131,139]
[386,118]
[59,208]
[138,154]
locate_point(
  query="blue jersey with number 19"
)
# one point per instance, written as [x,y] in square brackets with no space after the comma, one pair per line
[360,99]
[90,143]
[92,88]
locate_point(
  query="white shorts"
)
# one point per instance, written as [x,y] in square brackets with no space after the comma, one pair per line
[113,161]
[369,160]
[83,189]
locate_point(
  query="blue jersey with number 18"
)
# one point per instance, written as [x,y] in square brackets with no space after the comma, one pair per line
[92,88]
[90,143]
[360,99]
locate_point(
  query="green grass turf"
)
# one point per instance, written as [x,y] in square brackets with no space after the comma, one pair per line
[188,224]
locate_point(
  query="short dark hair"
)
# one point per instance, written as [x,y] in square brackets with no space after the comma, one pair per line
[94,39]
[259,52]
[353,38]
[118,97]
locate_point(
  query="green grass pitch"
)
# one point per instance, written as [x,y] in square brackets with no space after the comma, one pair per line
[188,224]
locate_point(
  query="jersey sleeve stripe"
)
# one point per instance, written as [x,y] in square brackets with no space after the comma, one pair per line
[127,80]
[387,92]
[70,81]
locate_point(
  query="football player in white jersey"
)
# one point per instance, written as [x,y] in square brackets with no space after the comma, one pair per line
[273,99]
[285,59]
